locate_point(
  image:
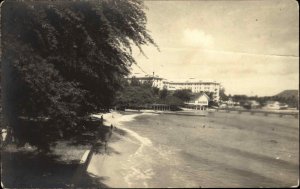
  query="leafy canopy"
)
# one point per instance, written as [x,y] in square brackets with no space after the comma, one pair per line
[64,60]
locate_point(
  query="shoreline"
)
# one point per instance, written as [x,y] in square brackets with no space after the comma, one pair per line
[123,145]
[134,162]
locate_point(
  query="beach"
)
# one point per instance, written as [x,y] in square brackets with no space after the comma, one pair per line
[219,150]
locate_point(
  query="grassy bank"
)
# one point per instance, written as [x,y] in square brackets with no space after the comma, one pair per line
[24,167]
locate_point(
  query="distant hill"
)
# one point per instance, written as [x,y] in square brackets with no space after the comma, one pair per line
[288,93]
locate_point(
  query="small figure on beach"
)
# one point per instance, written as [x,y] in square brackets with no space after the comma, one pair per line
[105,146]
[3,134]
[111,126]
[106,139]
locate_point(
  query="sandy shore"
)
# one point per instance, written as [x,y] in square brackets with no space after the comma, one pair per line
[218,150]
[109,165]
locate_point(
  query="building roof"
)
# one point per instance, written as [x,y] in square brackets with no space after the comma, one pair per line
[189,81]
[197,96]
[146,78]
[272,102]
[193,81]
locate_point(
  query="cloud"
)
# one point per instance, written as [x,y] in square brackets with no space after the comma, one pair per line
[238,72]
[197,38]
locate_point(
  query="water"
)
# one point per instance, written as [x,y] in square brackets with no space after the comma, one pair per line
[221,150]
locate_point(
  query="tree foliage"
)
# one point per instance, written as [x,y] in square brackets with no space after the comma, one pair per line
[223,95]
[184,94]
[64,60]
[292,102]
[134,81]
[174,101]
[163,93]
[239,98]
[136,95]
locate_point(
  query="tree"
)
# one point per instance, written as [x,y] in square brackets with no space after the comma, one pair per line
[135,96]
[184,94]
[174,101]
[239,98]
[134,81]
[210,95]
[145,94]
[65,60]
[223,96]
[156,90]
[212,103]
[163,93]
[171,100]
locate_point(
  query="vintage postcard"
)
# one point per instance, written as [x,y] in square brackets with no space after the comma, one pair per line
[149,94]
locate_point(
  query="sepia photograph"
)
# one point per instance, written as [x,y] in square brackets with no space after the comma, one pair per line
[149,94]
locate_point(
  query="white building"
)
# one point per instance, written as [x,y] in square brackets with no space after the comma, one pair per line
[275,105]
[196,86]
[155,80]
[200,102]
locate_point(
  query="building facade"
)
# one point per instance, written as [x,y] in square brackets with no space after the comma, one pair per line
[196,86]
[155,80]
[199,102]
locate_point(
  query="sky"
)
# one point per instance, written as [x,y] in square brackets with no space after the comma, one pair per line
[250,47]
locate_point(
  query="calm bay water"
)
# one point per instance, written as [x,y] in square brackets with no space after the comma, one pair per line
[220,150]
